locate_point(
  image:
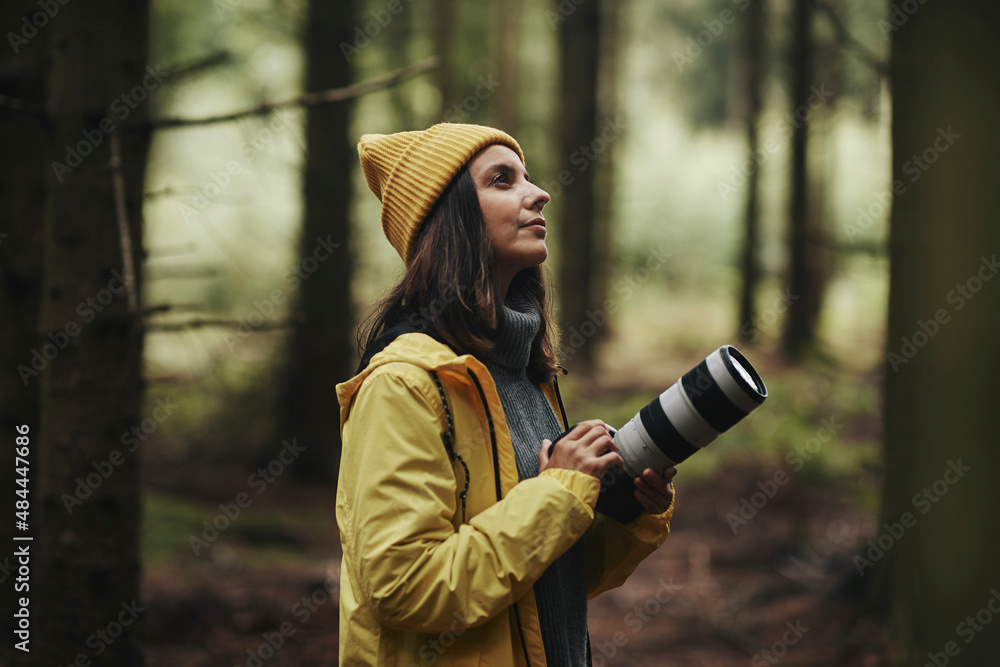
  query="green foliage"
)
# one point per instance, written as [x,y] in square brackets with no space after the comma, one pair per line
[267,532]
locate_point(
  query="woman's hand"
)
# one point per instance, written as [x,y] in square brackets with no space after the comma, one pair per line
[587,448]
[655,490]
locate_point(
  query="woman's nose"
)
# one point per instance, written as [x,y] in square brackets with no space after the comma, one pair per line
[539,198]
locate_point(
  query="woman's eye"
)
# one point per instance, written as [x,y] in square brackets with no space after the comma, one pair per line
[500,178]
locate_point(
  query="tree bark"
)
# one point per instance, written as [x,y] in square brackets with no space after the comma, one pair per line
[322,344]
[942,355]
[753,49]
[85,569]
[578,150]
[604,185]
[507,47]
[799,331]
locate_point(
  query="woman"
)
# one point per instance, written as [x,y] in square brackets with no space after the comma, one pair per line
[464,541]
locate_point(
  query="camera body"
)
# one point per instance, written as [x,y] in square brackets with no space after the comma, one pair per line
[706,402]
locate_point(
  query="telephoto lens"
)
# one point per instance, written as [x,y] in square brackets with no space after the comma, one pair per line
[707,401]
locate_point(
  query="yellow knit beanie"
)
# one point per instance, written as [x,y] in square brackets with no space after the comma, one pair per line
[408,171]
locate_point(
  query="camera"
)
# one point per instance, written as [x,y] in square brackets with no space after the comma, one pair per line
[707,401]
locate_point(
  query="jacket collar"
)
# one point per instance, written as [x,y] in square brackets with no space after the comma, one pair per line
[418,349]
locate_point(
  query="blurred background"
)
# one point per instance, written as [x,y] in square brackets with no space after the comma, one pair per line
[188,244]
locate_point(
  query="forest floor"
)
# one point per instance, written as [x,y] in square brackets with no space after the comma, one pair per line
[782,589]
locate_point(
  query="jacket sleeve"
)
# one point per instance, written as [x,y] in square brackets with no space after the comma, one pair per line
[614,550]
[397,499]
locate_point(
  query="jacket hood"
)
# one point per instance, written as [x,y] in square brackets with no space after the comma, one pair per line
[414,348]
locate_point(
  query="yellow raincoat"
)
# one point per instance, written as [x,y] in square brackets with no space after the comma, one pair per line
[418,585]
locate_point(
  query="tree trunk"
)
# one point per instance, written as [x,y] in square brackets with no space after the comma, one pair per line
[322,343]
[753,49]
[579,145]
[85,570]
[445,19]
[508,56]
[800,323]
[943,362]
[22,199]
[604,185]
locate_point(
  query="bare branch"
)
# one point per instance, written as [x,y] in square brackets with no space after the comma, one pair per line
[309,99]
[214,60]
[118,180]
[39,110]
[224,324]
[848,41]
[172,307]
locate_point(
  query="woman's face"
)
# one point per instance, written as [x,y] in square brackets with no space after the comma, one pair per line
[512,208]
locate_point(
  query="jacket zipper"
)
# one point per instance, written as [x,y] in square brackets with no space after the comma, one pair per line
[496,479]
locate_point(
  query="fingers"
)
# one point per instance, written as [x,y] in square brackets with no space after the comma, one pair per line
[590,432]
[654,491]
[610,459]
[543,453]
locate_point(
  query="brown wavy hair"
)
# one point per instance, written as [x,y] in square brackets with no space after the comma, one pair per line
[451,291]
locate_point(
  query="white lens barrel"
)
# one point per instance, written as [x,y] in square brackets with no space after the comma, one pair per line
[692,412]
[734,384]
[638,450]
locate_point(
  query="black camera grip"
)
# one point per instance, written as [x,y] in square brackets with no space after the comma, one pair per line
[617,496]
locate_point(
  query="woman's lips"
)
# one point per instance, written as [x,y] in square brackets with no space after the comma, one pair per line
[538,223]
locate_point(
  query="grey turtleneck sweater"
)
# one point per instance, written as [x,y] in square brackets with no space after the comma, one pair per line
[561,592]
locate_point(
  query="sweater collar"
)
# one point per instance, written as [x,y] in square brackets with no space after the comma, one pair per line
[519,327]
